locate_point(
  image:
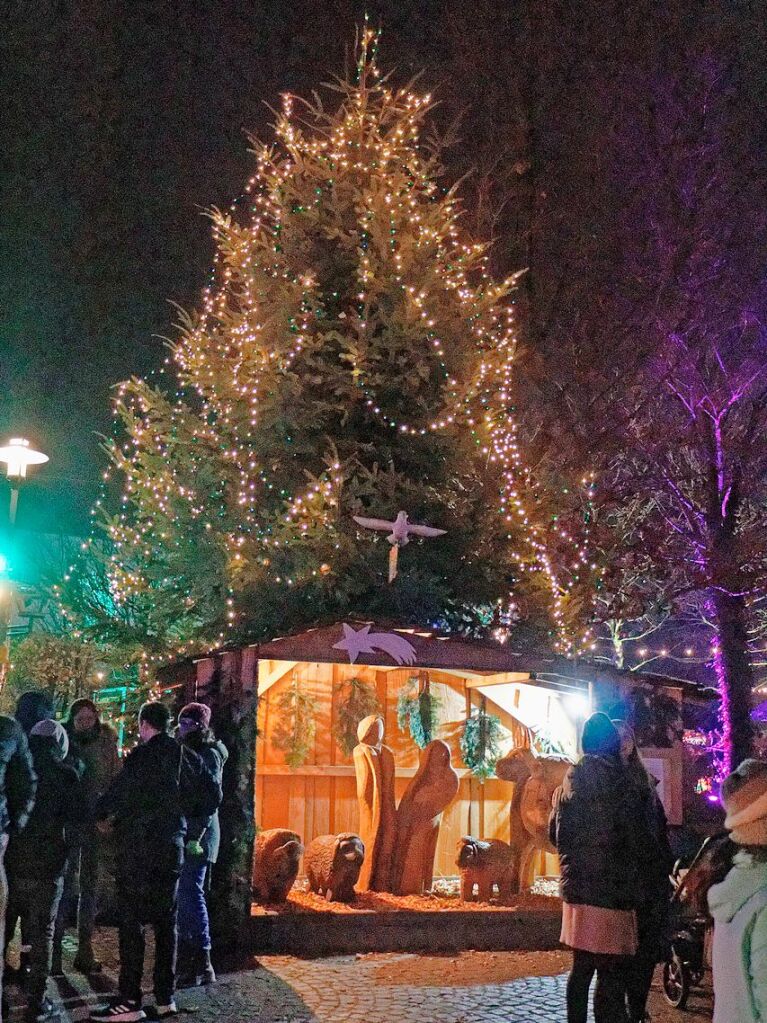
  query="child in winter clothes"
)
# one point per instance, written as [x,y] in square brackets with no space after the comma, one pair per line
[37,856]
[739,903]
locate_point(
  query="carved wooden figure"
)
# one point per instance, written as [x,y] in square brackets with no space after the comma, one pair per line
[275,866]
[418,818]
[484,864]
[374,768]
[332,864]
[536,779]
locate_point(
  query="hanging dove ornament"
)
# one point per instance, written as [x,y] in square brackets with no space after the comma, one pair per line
[399,532]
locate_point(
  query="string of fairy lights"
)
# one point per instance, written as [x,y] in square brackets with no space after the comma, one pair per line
[266,315]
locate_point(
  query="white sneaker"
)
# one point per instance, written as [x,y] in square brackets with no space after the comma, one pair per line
[119,1011]
[167,1011]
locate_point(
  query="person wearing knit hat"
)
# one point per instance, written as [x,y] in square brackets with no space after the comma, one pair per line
[203,840]
[593,824]
[739,903]
[600,737]
[37,856]
[194,717]
[57,733]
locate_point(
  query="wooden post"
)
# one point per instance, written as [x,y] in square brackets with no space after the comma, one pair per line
[234,722]
[471,779]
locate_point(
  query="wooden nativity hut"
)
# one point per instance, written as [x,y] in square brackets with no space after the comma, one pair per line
[306,692]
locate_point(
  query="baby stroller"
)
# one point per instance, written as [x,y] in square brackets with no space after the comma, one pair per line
[685,963]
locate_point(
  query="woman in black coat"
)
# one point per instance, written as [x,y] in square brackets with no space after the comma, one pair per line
[593,827]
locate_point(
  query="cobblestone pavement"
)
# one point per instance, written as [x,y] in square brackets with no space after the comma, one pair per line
[473,987]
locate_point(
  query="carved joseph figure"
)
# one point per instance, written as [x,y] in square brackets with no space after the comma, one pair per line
[374,768]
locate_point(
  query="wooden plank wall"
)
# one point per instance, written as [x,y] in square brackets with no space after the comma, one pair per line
[320,796]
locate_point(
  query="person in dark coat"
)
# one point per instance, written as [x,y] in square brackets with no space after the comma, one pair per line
[33,706]
[203,840]
[18,785]
[37,856]
[593,828]
[161,785]
[94,744]
[654,861]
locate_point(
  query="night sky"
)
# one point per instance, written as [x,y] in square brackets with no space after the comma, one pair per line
[120,124]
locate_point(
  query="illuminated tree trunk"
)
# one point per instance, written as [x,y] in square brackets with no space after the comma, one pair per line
[732,661]
[734,676]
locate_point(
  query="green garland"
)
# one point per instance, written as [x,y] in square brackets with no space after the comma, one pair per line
[417,711]
[294,733]
[481,742]
[356,700]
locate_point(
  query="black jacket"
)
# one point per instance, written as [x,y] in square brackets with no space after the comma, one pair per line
[161,784]
[39,852]
[207,829]
[18,781]
[597,826]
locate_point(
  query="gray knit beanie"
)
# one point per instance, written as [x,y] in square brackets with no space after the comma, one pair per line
[53,730]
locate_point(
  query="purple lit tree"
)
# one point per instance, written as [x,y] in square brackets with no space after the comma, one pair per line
[695,227]
[646,349]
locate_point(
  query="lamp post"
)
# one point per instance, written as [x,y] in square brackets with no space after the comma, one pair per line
[18,455]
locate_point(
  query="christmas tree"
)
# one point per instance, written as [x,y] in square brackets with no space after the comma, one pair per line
[351,356]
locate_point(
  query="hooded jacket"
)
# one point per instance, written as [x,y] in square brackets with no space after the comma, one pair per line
[739,908]
[39,852]
[597,827]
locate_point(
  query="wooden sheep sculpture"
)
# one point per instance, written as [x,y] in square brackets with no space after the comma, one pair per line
[277,855]
[484,864]
[332,864]
[536,779]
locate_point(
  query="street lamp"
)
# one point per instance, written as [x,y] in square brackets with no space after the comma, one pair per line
[18,454]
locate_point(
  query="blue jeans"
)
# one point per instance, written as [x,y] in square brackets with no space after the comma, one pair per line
[193,922]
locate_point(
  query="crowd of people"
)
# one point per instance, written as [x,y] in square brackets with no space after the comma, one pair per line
[610,830]
[66,797]
[66,800]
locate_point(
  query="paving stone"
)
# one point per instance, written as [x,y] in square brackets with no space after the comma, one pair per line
[471,987]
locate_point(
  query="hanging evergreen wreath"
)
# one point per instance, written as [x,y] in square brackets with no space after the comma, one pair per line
[481,742]
[417,710]
[295,729]
[357,699]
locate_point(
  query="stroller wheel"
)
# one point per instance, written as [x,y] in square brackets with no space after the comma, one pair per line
[676,982]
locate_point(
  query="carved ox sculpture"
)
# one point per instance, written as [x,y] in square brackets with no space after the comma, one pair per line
[536,779]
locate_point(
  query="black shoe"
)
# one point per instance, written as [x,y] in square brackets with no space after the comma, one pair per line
[167,1011]
[119,1010]
[40,1012]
